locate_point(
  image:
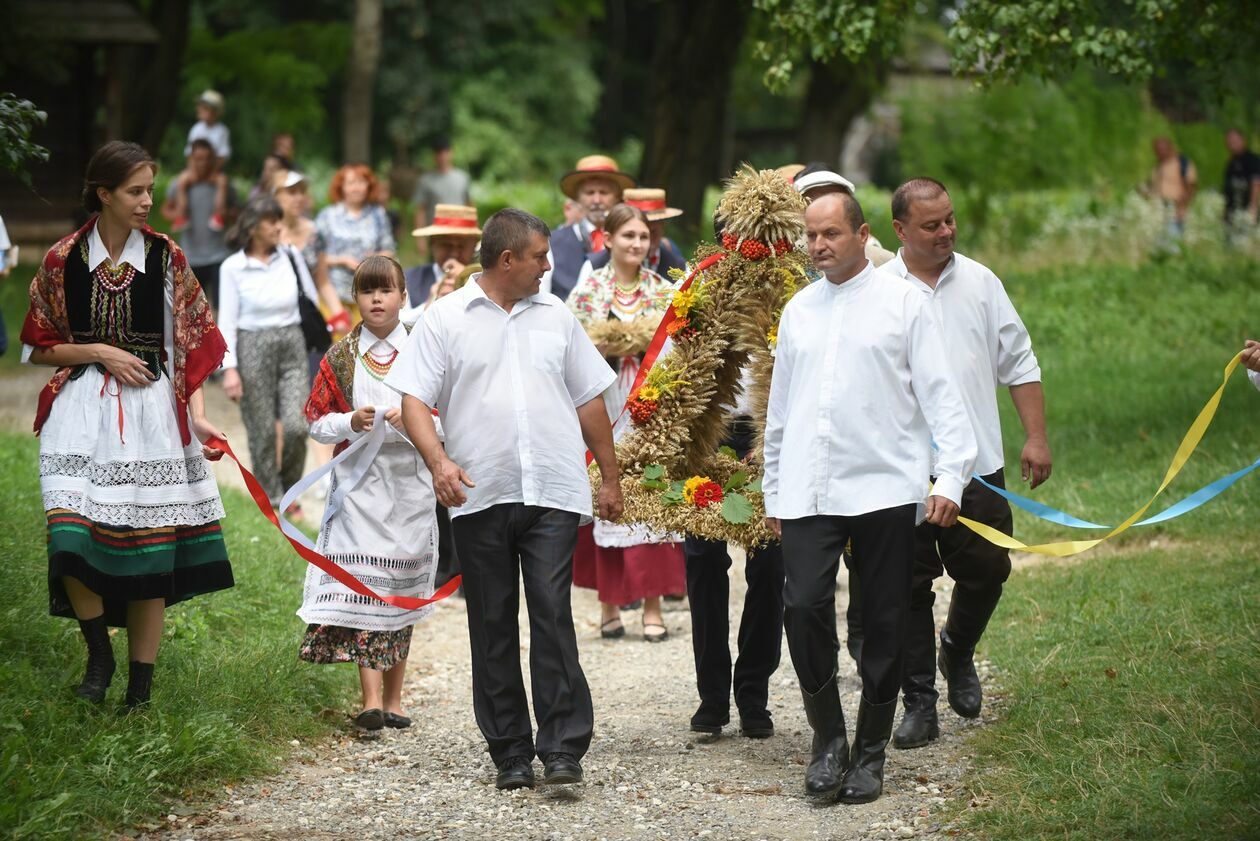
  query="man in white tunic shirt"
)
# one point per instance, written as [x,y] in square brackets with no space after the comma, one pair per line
[860,389]
[518,387]
[986,347]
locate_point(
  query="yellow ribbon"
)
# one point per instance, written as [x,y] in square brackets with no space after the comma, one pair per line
[1072,547]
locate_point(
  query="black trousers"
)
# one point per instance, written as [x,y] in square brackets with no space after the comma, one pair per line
[448,559]
[498,547]
[883,545]
[760,638]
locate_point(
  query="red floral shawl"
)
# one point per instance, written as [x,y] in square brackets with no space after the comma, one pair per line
[199,347]
[333,390]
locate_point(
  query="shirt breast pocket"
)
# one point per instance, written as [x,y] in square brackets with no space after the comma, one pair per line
[547,351]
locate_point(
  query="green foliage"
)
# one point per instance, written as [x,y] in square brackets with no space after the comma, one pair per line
[736,508]
[18,120]
[229,691]
[825,29]
[1131,699]
[274,78]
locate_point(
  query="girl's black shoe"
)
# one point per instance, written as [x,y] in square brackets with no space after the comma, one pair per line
[100,663]
[139,685]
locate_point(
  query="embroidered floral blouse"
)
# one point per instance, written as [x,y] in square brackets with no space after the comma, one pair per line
[596,297]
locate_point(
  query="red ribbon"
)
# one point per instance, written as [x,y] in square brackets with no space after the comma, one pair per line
[648,204]
[332,568]
[662,333]
[450,222]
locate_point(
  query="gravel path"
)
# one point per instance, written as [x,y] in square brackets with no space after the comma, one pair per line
[647,775]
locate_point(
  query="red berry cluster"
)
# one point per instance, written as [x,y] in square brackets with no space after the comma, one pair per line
[641,411]
[729,241]
[781,247]
[754,249]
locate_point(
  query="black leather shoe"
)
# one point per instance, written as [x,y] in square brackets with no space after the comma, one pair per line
[710,718]
[959,669]
[561,769]
[919,725]
[370,720]
[396,721]
[756,724]
[864,781]
[100,664]
[515,772]
[139,685]
[829,753]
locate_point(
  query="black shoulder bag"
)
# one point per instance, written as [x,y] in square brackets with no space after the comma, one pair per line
[314,328]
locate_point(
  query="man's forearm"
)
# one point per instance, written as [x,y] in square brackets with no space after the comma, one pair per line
[1030,404]
[597,433]
[418,421]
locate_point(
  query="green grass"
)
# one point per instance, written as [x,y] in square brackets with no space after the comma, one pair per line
[229,692]
[1133,705]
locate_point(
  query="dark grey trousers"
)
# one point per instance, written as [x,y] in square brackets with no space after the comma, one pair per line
[499,547]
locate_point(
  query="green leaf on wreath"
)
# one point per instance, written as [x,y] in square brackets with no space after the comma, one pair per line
[755,487]
[653,471]
[671,497]
[653,484]
[677,486]
[736,509]
[728,451]
[738,479]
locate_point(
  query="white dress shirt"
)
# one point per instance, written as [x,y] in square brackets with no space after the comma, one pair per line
[507,385]
[132,254]
[860,388]
[334,427]
[260,294]
[986,343]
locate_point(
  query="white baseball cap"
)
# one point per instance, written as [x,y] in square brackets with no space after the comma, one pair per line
[822,178]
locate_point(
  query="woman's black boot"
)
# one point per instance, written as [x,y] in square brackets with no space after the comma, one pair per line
[139,684]
[100,663]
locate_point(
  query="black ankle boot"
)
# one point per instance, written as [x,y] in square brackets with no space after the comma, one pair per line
[919,725]
[139,684]
[864,781]
[829,753]
[100,663]
[959,669]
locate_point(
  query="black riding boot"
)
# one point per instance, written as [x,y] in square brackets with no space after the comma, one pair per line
[100,663]
[969,614]
[829,754]
[919,725]
[864,781]
[139,684]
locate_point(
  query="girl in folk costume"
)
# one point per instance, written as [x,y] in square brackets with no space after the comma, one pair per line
[133,509]
[385,532]
[621,305]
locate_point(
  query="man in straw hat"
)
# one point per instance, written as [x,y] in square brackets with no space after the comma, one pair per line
[452,242]
[662,253]
[596,183]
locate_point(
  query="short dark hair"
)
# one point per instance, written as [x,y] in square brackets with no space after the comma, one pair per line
[201,143]
[255,211]
[439,143]
[509,230]
[110,167]
[378,271]
[921,187]
[853,214]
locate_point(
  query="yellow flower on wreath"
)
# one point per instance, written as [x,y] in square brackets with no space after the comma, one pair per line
[684,300]
[649,392]
[772,337]
[689,488]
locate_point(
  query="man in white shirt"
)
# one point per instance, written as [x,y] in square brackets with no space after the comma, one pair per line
[518,386]
[987,347]
[859,392]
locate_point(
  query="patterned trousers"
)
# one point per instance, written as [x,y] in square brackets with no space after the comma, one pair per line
[274,383]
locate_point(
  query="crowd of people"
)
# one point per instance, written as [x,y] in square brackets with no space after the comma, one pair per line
[490,371]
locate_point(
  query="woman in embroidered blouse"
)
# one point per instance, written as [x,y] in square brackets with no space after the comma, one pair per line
[349,229]
[133,509]
[626,563]
[265,369]
[385,530]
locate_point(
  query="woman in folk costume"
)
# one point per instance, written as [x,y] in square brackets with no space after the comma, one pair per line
[621,305]
[133,509]
[385,531]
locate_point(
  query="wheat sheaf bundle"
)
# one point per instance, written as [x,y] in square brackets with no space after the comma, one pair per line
[724,326]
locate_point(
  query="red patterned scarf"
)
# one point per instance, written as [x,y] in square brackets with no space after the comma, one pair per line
[199,347]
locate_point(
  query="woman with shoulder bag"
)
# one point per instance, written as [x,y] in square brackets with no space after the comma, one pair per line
[262,288]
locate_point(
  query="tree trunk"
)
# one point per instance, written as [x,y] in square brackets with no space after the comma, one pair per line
[689,99]
[149,79]
[356,108]
[838,94]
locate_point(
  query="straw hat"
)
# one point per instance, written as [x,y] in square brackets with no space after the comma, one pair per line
[451,220]
[651,200]
[594,166]
[790,171]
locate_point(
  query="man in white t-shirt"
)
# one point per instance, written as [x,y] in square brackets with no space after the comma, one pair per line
[518,386]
